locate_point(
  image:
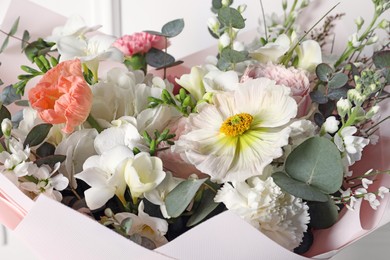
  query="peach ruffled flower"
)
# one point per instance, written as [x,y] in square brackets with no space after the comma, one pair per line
[295,79]
[62,96]
[140,42]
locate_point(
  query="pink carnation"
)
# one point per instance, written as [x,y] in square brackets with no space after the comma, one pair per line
[295,79]
[140,42]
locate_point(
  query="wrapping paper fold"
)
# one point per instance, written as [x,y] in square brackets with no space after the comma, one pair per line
[54,231]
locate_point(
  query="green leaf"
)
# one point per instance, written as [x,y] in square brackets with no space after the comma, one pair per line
[37,135]
[217,4]
[37,48]
[154,33]
[336,94]
[323,72]
[316,162]
[14,27]
[157,58]
[50,160]
[322,214]
[5,44]
[26,37]
[22,103]
[231,17]
[173,64]
[206,206]
[9,95]
[173,28]
[181,196]
[126,225]
[338,80]
[234,56]
[45,149]
[318,97]
[381,59]
[297,188]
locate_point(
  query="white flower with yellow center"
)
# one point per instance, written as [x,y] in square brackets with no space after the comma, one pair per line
[241,132]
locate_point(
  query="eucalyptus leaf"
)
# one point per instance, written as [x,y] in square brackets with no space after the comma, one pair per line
[37,135]
[338,80]
[231,17]
[37,48]
[319,119]
[154,33]
[5,44]
[173,64]
[297,188]
[336,94]
[223,64]
[14,27]
[50,160]
[173,28]
[381,59]
[316,162]
[323,72]
[206,206]
[234,56]
[181,196]
[9,95]
[45,149]
[323,214]
[158,59]
[327,109]
[25,38]
[22,103]
[318,97]
[217,4]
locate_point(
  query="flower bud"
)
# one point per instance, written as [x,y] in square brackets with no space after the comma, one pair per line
[372,112]
[241,8]
[213,24]
[226,2]
[384,24]
[359,21]
[284,4]
[6,126]
[304,3]
[354,40]
[238,46]
[372,40]
[343,107]
[379,9]
[224,40]
[331,125]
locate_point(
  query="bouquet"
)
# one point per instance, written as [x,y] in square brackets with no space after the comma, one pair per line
[269,132]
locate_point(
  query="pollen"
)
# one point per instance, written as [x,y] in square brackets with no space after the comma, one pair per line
[236,125]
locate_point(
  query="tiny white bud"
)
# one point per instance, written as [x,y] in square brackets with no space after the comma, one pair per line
[354,40]
[241,8]
[284,4]
[226,2]
[213,24]
[359,21]
[384,24]
[372,112]
[6,126]
[372,40]
[343,106]
[224,40]
[331,125]
[238,46]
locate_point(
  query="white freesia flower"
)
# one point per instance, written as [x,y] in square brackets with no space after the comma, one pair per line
[46,183]
[89,51]
[16,161]
[241,133]
[280,216]
[77,148]
[6,127]
[309,55]
[272,51]
[103,173]
[143,173]
[351,145]
[146,226]
[75,25]
[193,82]
[157,196]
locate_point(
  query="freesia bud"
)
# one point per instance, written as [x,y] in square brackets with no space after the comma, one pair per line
[213,24]
[372,40]
[359,22]
[241,8]
[284,4]
[226,2]
[372,112]
[343,106]
[331,125]
[384,24]
[224,40]
[6,126]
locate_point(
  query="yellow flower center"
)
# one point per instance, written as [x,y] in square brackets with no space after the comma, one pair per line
[236,125]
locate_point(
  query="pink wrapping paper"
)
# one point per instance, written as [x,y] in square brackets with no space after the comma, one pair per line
[54,231]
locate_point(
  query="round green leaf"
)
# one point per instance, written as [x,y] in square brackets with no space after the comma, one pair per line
[231,17]
[173,28]
[37,135]
[158,59]
[323,72]
[316,162]
[338,80]
[323,214]
[181,196]
[207,205]
[297,188]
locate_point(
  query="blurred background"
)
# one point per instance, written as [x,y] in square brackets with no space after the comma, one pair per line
[120,17]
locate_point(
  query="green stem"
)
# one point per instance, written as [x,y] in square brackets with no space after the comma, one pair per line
[368,175]
[94,124]
[380,122]
[265,22]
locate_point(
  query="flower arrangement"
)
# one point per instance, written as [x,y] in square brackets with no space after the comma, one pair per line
[265,129]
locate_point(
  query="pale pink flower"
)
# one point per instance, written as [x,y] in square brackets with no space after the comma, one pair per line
[295,79]
[140,42]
